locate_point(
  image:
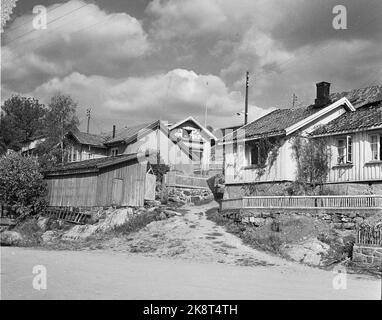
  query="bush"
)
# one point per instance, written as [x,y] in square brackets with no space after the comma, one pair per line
[21,184]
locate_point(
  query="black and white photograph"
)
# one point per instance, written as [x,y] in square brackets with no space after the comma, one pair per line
[179,152]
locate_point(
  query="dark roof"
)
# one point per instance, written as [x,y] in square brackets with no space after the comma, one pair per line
[363,118]
[89,139]
[92,165]
[360,97]
[275,122]
[129,133]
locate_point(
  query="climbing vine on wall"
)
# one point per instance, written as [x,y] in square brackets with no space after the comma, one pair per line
[312,160]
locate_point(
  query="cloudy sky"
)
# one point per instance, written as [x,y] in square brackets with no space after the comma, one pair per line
[134,61]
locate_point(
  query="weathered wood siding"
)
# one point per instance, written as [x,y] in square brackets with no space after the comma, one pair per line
[72,190]
[283,167]
[362,168]
[122,184]
[133,178]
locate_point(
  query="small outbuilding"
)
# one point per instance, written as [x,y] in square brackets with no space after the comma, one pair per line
[118,181]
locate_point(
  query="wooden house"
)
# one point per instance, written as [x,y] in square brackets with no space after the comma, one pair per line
[260,153]
[183,145]
[107,181]
[355,144]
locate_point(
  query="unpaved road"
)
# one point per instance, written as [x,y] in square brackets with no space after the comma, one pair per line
[186,257]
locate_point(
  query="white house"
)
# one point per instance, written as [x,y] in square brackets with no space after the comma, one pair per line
[260,153]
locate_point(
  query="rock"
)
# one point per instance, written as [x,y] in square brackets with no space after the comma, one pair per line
[10,238]
[42,222]
[153,203]
[49,236]
[309,252]
[115,218]
[162,216]
[80,232]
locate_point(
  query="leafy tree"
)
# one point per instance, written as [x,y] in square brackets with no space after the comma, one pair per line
[21,184]
[22,118]
[60,118]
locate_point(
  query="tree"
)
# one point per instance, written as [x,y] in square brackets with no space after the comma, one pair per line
[22,118]
[60,118]
[21,184]
[312,157]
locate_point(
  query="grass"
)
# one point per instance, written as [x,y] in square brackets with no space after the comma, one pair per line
[30,232]
[249,235]
[136,223]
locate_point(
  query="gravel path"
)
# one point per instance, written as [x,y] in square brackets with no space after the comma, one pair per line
[185,257]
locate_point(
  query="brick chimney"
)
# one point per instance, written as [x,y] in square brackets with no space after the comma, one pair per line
[113,131]
[323,92]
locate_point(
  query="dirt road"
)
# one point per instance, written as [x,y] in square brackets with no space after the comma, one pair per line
[185,257]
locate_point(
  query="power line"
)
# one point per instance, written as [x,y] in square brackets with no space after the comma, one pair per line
[58,18]
[74,32]
[30,20]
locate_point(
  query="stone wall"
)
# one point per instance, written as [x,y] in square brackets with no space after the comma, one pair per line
[282,188]
[188,195]
[259,189]
[354,188]
[370,256]
[339,220]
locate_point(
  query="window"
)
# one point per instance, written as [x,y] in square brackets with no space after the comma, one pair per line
[345,150]
[114,152]
[255,158]
[376,150]
[349,149]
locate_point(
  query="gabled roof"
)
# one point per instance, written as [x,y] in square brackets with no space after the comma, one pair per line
[275,122]
[130,133]
[88,138]
[285,121]
[92,165]
[360,97]
[208,132]
[364,118]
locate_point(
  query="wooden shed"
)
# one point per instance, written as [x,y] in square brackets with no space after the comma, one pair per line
[119,181]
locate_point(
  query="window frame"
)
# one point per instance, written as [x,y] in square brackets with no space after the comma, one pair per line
[378,137]
[347,156]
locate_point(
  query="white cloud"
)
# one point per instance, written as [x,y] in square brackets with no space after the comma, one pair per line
[89,40]
[170,96]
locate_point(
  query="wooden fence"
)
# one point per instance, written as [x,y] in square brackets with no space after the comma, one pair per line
[369,235]
[305,202]
[68,214]
[174,179]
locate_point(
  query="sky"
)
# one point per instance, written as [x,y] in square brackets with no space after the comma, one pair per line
[134,61]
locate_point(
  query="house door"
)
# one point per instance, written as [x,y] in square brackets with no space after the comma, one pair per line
[117,191]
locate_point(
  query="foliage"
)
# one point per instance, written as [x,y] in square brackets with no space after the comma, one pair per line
[312,159]
[21,120]
[21,184]
[269,149]
[60,118]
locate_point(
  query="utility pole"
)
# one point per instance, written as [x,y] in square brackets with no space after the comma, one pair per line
[88,111]
[294,100]
[246,98]
[206,110]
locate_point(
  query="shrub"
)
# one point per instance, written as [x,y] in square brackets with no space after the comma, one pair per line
[21,184]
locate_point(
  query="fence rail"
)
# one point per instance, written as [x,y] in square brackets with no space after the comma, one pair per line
[173,179]
[370,235]
[306,202]
[68,214]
